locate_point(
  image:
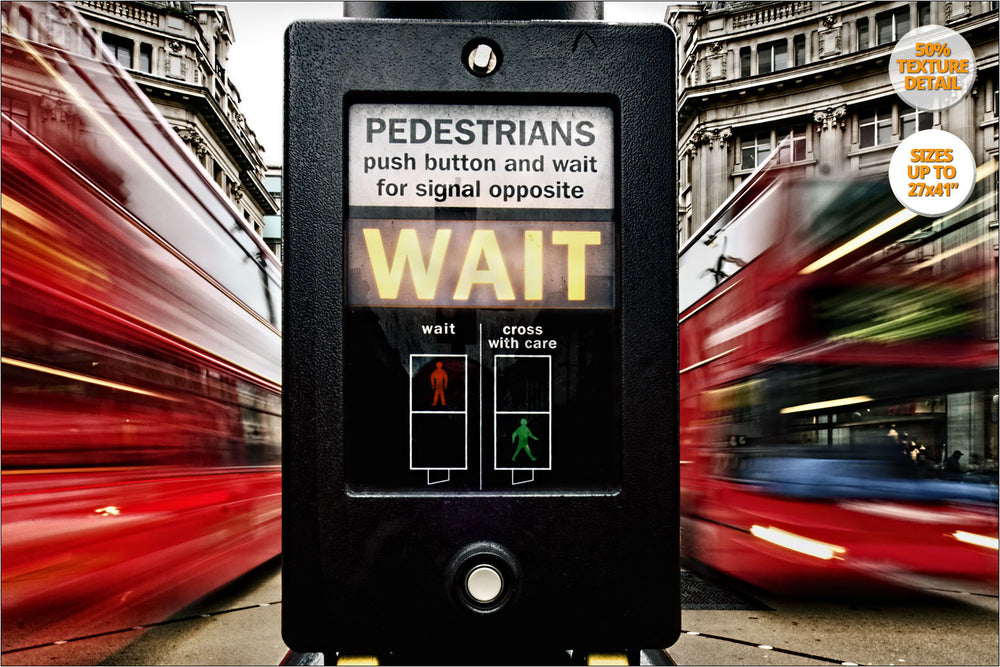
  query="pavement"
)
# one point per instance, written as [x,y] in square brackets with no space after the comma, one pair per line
[935,631]
[241,626]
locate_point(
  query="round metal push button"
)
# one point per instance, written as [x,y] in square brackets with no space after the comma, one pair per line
[483,578]
[484,584]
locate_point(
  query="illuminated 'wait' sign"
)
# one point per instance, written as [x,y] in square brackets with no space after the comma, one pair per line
[481,206]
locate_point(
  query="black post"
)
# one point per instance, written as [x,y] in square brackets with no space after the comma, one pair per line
[476,11]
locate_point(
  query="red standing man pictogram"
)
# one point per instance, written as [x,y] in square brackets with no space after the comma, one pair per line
[439,382]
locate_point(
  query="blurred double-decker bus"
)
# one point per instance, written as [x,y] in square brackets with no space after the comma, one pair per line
[141,358]
[838,382]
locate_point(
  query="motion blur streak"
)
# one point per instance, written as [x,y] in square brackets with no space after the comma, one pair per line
[884,227]
[803,545]
[825,405]
[898,218]
[980,540]
[839,391]
[986,169]
[985,238]
[82,378]
[141,367]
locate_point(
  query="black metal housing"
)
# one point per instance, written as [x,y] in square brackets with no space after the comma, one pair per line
[371,573]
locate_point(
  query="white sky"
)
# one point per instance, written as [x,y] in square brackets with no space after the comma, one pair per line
[256,60]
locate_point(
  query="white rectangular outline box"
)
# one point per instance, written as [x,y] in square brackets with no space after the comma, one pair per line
[465,412]
[497,413]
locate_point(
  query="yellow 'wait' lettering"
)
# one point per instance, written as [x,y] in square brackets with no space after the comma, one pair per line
[484,250]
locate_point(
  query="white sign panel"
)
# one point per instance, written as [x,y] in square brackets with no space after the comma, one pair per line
[481,156]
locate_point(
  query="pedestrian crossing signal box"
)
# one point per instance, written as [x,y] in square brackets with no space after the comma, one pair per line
[480,398]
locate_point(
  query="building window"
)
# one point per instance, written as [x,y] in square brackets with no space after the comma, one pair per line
[876,128]
[16,111]
[799,46]
[795,150]
[923,13]
[745,61]
[862,34]
[25,23]
[772,57]
[146,58]
[756,148]
[119,47]
[911,122]
[273,185]
[892,25]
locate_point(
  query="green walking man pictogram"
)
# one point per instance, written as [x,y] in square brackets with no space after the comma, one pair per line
[521,435]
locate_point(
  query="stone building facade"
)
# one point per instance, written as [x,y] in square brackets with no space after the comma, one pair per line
[177,52]
[753,73]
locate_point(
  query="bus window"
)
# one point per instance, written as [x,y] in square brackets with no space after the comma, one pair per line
[726,247]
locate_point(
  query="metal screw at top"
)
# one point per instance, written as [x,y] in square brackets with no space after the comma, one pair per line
[482,59]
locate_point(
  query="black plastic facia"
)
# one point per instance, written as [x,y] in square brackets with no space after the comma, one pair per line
[480,357]
[481,285]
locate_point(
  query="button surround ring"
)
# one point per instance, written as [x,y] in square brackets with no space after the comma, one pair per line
[484,578]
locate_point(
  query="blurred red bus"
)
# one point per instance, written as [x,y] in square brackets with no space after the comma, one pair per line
[141,358]
[836,351]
